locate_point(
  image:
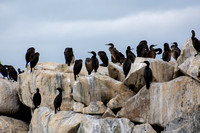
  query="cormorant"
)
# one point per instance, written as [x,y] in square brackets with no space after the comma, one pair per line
[77,67]
[166,56]
[127,64]
[11,72]
[153,52]
[195,42]
[58,100]
[102,55]
[148,76]
[88,65]
[69,55]
[175,51]
[3,71]
[36,98]
[95,61]
[19,71]
[29,53]
[142,49]
[34,60]
[130,54]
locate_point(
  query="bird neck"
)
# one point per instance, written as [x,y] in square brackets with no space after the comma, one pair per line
[193,35]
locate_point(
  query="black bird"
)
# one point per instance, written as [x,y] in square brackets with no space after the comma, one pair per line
[19,71]
[130,54]
[88,65]
[3,71]
[142,49]
[36,99]
[166,56]
[127,64]
[69,55]
[175,51]
[11,72]
[104,58]
[58,100]
[148,76]
[77,67]
[34,60]
[95,61]
[30,52]
[116,56]
[195,42]
[153,52]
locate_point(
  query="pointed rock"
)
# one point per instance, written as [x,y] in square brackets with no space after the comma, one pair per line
[143,128]
[108,113]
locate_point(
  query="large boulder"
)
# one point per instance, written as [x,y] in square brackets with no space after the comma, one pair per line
[115,71]
[162,72]
[11,125]
[95,108]
[9,101]
[163,102]
[44,120]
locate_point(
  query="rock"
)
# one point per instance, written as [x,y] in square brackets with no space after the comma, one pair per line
[163,102]
[189,122]
[11,125]
[119,100]
[95,108]
[78,107]
[44,120]
[108,113]
[143,128]
[162,72]
[115,71]
[9,101]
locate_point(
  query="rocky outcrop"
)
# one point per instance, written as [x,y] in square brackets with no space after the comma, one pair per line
[95,108]
[9,101]
[115,71]
[162,102]
[11,125]
[162,72]
[143,128]
[44,120]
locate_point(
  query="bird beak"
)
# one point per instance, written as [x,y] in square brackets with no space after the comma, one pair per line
[89,52]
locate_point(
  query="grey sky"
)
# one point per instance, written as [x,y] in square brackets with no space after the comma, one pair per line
[52,25]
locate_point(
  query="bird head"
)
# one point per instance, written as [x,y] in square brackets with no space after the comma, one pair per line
[59,89]
[110,44]
[146,62]
[92,52]
[37,90]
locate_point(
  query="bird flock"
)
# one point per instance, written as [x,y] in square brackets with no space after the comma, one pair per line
[92,64]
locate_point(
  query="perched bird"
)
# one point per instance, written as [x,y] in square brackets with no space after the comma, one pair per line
[3,71]
[29,53]
[195,42]
[127,64]
[102,55]
[147,74]
[88,65]
[34,60]
[130,54]
[175,51]
[153,52]
[69,55]
[77,67]
[142,49]
[36,99]
[166,56]
[95,61]
[58,100]
[11,72]
[19,71]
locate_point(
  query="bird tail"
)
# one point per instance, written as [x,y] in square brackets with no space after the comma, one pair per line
[26,65]
[68,63]
[148,85]
[55,111]
[75,77]
[31,69]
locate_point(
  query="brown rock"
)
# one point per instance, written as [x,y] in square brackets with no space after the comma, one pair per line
[115,71]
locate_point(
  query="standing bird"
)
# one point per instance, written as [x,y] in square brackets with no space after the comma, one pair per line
[130,54]
[148,76]
[175,51]
[127,64]
[116,56]
[19,71]
[166,56]
[95,61]
[36,99]
[77,67]
[34,60]
[11,72]
[58,100]
[153,52]
[29,53]
[88,65]
[195,42]
[104,58]
[142,49]
[69,55]
[3,71]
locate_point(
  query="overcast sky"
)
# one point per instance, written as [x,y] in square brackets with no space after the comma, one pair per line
[52,25]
